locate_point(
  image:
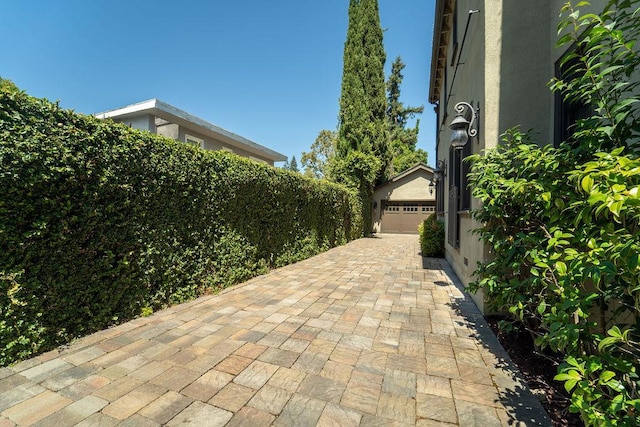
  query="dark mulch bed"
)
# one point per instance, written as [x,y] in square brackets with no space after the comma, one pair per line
[538,371]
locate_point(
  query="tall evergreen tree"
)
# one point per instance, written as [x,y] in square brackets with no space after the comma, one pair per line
[402,140]
[362,124]
[293,166]
[362,151]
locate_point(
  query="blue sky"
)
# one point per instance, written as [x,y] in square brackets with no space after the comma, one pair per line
[267,70]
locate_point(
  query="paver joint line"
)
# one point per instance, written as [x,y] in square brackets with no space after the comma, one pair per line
[368,333]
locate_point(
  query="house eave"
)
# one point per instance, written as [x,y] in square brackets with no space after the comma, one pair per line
[419,166]
[441,34]
[168,112]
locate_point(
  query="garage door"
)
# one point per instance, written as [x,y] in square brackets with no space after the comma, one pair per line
[404,217]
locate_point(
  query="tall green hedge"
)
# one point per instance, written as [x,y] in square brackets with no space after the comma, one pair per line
[100,223]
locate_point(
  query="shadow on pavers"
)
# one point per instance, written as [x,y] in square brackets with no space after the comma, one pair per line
[521,405]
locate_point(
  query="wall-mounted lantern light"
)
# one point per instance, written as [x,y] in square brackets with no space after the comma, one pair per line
[431,186]
[440,172]
[461,126]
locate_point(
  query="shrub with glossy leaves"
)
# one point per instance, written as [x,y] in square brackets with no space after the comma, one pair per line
[564,224]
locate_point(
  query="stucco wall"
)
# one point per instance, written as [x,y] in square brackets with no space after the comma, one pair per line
[144,122]
[506,64]
[215,144]
[174,131]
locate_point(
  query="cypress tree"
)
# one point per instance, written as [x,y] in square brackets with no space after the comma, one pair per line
[363,102]
[362,154]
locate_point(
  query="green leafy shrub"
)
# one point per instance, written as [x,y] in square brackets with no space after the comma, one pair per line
[431,233]
[564,224]
[100,223]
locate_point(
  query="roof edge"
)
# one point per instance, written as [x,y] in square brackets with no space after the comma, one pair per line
[156,104]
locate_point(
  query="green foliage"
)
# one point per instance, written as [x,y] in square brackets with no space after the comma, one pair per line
[291,166]
[602,72]
[431,233]
[565,239]
[405,158]
[362,122]
[402,140]
[564,224]
[100,223]
[8,86]
[317,162]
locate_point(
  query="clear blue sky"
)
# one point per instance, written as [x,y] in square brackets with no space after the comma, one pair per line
[267,70]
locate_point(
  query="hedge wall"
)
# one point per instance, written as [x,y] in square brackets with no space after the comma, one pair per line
[100,223]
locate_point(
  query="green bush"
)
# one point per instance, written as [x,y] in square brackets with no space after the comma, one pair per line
[100,223]
[431,233]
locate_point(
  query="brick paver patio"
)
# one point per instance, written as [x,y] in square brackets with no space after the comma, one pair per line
[366,334]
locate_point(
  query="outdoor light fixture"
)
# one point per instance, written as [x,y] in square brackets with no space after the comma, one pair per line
[461,127]
[439,172]
[431,186]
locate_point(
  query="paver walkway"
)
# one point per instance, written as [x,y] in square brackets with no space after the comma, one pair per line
[365,334]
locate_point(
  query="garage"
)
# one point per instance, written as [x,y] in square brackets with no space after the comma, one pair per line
[398,217]
[404,201]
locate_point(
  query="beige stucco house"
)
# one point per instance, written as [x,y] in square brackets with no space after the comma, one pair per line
[165,119]
[404,201]
[496,57]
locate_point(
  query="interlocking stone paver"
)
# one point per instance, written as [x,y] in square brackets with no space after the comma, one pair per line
[201,414]
[137,420]
[301,411]
[69,377]
[360,335]
[207,385]
[84,387]
[165,407]
[74,413]
[295,344]
[133,401]
[397,408]
[270,399]
[436,408]
[399,383]
[232,397]
[288,379]
[346,355]
[473,414]
[322,388]
[336,415]
[251,417]
[19,394]
[337,371]
[36,408]
[46,370]
[362,397]
[118,388]
[6,422]
[442,367]
[98,420]
[83,356]
[256,374]
[438,386]
[234,364]
[372,361]
[311,363]
[279,357]
[175,378]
